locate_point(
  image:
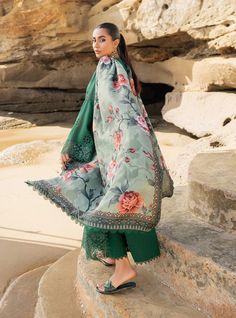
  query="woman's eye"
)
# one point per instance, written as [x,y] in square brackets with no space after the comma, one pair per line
[102,40]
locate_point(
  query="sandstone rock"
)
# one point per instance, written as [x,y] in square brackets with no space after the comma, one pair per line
[45,27]
[150,298]
[63,74]
[11,120]
[186,74]
[23,289]
[24,153]
[212,188]
[224,140]
[8,122]
[56,290]
[52,30]
[198,259]
[156,19]
[200,113]
[47,44]
[147,20]
[39,100]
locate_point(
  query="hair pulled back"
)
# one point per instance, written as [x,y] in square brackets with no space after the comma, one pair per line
[114,32]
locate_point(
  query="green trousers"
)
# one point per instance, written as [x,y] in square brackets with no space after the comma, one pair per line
[143,246]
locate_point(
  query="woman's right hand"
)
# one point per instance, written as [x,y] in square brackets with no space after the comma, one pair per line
[64,159]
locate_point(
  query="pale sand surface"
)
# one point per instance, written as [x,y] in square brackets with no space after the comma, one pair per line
[34,231]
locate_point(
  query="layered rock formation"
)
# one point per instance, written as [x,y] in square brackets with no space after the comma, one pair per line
[47,45]
[183,52]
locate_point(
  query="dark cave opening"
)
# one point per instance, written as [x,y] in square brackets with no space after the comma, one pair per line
[153,97]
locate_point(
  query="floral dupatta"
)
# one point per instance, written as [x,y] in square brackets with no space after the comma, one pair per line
[133,170]
[120,180]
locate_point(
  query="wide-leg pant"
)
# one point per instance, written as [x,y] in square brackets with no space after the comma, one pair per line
[143,246]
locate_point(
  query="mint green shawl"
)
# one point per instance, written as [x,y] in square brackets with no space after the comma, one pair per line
[117,176]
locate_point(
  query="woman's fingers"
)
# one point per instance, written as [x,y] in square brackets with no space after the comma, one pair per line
[62,161]
[64,158]
[67,157]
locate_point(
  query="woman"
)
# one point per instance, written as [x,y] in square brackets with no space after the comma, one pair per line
[113,173]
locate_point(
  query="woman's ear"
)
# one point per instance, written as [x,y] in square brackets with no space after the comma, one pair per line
[116,42]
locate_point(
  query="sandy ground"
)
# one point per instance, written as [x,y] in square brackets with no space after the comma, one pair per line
[34,231]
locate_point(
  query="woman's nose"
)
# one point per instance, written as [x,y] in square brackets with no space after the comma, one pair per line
[95,45]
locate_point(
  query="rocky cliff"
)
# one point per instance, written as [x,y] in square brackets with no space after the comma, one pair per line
[187,48]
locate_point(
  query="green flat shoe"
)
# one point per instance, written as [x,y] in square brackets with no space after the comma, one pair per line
[110,289]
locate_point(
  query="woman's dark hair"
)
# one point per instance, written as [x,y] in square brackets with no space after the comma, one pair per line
[114,32]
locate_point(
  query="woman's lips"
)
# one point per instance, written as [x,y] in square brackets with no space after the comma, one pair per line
[97,51]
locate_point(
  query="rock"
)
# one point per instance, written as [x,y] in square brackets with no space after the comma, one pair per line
[51,28]
[224,140]
[150,298]
[8,122]
[47,45]
[200,113]
[23,289]
[63,74]
[199,23]
[40,100]
[47,28]
[11,120]
[212,188]
[24,153]
[186,74]
[198,259]
[57,291]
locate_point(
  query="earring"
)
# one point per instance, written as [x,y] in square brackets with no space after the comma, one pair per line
[115,53]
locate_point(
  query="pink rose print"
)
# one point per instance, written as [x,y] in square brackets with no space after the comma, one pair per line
[111,169]
[145,114]
[142,123]
[105,59]
[130,202]
[110,108]
[58,189]
[132,150]
[100,161]
[67,175]
[109,119]
[116,85]
[120,82]
[132,85]
[127,159]
[117,139]
[87,166]
[117,109]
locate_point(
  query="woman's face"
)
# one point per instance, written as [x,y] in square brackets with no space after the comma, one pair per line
[103,43]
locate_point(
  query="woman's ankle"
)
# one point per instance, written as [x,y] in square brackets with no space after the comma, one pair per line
[123,265]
